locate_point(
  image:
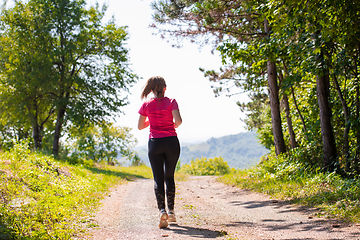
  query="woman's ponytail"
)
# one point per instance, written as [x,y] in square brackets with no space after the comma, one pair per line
[155,84]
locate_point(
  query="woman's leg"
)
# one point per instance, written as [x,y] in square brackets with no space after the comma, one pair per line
[164,151]
[172,153]
[157,159]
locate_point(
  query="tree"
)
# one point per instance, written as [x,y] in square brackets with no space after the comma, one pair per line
[318,69]
[311,27]
[136,161]
[26,79]
[227,21]
[79,66]
[103,142]
[315,44]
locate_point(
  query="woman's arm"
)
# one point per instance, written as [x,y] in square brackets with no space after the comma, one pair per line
[142,122]
[177,117]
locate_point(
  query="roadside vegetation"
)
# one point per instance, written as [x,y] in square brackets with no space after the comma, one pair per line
[204,166]
[290,178]
[42,198]
[287,177]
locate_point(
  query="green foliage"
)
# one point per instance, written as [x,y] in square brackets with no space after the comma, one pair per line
[291,178]
[308,42]
[136,161]
[204,166]
[25,80]
[59,70]
[45,199]
[101,142]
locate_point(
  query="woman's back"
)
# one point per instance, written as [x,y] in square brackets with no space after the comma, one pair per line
[159,112]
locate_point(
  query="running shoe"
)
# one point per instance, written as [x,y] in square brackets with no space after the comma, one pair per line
[163,219]
[171,217]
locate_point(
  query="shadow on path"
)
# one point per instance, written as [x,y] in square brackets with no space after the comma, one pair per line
[123,175]
[281,206]
[195,232]
[320,225]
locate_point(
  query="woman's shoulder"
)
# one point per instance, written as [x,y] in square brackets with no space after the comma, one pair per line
[173,103]
[170,99]
[148,101]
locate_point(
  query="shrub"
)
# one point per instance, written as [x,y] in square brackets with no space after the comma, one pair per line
[204,166]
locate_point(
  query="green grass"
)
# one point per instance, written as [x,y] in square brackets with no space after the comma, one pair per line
[280,178]
[41,198]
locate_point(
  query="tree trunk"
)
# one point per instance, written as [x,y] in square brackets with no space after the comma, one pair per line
[36,130]
[57,133]
[288,117]
[299,112]
[274,103]
[36,135]
[275,109]
[59,122]
[289,122]
[347,125]
[296,105]
[329,146]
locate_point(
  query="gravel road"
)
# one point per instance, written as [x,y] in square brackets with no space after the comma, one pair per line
[207,209]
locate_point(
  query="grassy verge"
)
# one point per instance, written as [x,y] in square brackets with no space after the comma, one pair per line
[41,198]
[280,178]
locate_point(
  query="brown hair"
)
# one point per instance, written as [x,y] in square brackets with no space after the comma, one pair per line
[155,84]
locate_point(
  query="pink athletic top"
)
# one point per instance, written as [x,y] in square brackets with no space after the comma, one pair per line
[159,112]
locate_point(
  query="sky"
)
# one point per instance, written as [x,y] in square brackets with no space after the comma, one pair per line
[204,115]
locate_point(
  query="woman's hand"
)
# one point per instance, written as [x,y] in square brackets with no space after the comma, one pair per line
[177,117]
[143,123]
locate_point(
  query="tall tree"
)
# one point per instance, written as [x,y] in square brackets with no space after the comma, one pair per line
[224,21]
[274,99]
[329,147]
[319,67]
[87,68]
[25,63]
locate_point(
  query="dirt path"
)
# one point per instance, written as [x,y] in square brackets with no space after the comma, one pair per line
[207,209]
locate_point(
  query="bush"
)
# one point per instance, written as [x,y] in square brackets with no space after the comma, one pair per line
[204,166]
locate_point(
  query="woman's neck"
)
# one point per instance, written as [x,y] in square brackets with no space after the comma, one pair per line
[159,96]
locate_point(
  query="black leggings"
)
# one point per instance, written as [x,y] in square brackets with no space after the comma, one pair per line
[164,152]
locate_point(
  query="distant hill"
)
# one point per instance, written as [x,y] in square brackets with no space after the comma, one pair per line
[239,150]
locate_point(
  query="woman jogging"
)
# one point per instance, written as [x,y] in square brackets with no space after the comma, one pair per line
[162,115]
